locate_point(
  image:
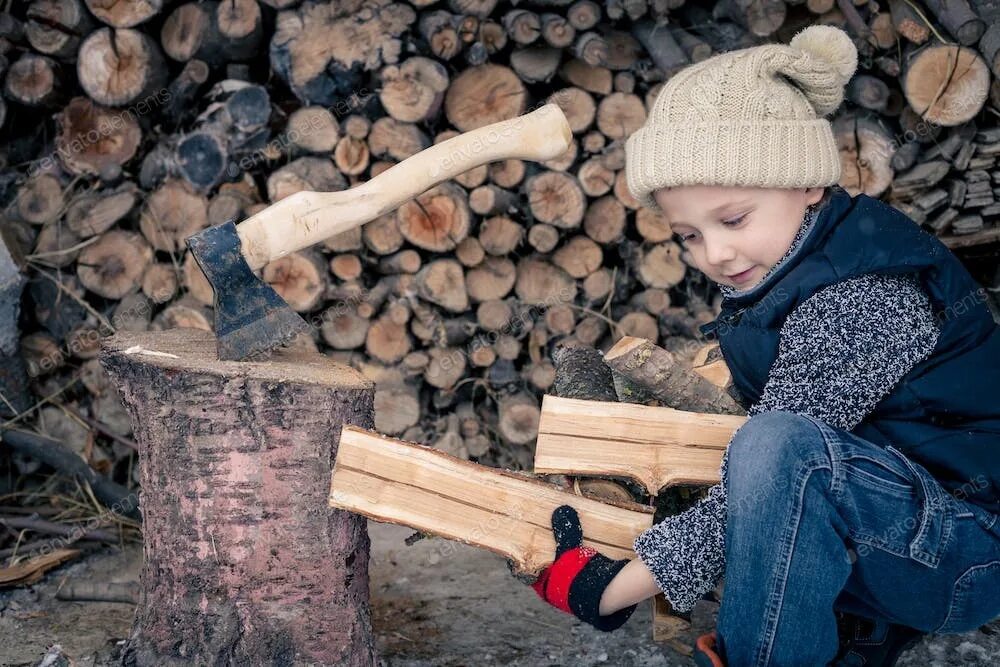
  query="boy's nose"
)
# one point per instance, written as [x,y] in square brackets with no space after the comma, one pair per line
[720,254]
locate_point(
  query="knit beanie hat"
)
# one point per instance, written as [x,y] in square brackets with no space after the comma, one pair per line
[751,117]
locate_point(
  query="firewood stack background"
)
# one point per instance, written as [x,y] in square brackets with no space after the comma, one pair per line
[129,125]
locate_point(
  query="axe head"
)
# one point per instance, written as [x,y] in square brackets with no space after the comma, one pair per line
[250,317]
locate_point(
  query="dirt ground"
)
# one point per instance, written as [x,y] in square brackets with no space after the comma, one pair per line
[435,603]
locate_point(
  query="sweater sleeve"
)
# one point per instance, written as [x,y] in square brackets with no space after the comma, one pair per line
[840,352]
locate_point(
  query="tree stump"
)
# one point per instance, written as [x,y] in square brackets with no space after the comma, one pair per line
[244,563]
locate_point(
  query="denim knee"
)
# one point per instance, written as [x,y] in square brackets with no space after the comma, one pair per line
[770,445]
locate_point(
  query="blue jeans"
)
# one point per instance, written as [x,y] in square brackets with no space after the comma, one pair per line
[819,519]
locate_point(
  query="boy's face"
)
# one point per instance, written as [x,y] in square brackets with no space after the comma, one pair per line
[735,234]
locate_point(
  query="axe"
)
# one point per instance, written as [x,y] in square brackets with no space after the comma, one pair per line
[250,317]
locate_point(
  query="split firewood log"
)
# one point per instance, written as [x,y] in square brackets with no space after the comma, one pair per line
[655,446]
[455,498]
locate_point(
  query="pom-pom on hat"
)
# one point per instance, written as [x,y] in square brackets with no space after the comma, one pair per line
[753,117]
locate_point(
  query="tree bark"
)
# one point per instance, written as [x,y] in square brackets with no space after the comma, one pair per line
[244,562]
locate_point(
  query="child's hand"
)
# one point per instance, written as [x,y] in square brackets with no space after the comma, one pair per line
[576,580]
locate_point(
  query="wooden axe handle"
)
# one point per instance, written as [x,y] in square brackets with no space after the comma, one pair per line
[306,218]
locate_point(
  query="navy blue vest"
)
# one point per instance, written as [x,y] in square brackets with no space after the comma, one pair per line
[944,413]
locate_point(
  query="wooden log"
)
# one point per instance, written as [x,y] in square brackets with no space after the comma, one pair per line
[624,82]
[518,418]
[483,95]
[557,31]
[507,173]
[499,235]
[413,92]
[492,279]
[866,149]
[661,45]
[958,18]
[323,49]
[352,156]
[246,488]
[946,85]
[577,105]
[393,138]
[539,282]
[591,48]
[124,13]
[377,477]
[117,67]
[13,375]
[300,278]
[94,140]
[556,198]
[563,161]
[54,27]
[491,200]
[34,81]
[172,213]
[523,26]
[40,200]
[470,252]
[160,282]
[907,22]
[240,26]
[114,265]
[657,447]
[305,173]
[442,282]
[582,374]
[668,378]
[761,18]
[583,14]
[536,64]
[619,115]
[605,220]
[56,246]
[579,256]
[592,78]
[312,129]
[438,30]
[437,220]
[382,235]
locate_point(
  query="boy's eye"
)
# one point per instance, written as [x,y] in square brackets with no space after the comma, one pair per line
[681,238]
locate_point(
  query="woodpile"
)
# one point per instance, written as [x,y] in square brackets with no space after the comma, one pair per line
[127,126]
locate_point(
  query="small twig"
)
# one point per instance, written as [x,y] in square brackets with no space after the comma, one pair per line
[930,26]
[85,591]
[99,426]
[73,296]
[18,417]
[53,528]
[53,253]
[595,314]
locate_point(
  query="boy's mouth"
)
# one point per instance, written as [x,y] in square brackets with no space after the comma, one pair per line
[741,277]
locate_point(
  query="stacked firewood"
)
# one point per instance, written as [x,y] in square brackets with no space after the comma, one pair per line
[128,126]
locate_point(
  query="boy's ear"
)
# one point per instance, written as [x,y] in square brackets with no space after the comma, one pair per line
[813,195]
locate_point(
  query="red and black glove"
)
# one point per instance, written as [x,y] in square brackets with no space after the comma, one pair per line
[576,580]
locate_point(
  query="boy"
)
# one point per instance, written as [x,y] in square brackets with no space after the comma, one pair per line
[858,507]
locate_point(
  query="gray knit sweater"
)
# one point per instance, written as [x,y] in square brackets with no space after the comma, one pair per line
[886,321]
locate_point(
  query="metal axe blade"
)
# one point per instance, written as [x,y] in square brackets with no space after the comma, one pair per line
[250,317]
